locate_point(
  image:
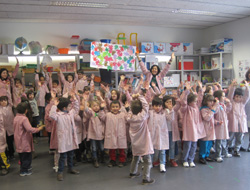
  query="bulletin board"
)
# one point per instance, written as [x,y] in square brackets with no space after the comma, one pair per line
[244,65]
[112,56]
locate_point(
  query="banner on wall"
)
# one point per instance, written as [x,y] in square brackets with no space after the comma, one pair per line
[112,56]
[244,65]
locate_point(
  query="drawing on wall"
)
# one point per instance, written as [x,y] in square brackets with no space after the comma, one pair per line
[112,56]
[244,65]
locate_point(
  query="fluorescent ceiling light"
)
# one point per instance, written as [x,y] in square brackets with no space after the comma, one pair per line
[195,12]
[78,4]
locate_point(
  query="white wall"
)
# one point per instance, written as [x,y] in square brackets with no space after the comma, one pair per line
[240,32]
[59,34]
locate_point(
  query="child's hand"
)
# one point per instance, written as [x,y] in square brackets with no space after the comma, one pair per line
[219,122]
[10,74]
[188,87]
[245,83]
[127,104]
[199,83]
[153,84]
[103,104]
[126,87]
[45,68]
[92,76]
[106,88]
[37,71]
[172,56]
[163,91]
[98,93]
[122,77]
[39,84]
[56,102]
[226,100]
[17,62]
[41,127]
[84,77]
[50,74]
[142,77]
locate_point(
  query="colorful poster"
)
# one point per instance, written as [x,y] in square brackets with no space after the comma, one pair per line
[112,56]
[244,65]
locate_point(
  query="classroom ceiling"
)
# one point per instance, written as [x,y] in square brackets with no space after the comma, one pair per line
[197,14]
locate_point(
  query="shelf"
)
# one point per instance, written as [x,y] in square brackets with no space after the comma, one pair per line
[210,70]
[174,70]
[227,69]
[194,70]
[217,53]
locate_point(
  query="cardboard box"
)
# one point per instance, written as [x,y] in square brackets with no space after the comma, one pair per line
[188,48]
[221,45]
[188,64]
[174,47]
[159,47]
[147,47]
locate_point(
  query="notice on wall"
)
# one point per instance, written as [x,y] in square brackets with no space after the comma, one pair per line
[244,65]
[112,56]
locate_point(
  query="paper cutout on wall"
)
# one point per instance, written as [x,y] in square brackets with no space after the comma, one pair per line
[112,56]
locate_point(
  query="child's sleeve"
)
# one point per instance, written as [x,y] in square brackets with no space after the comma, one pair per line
[36,80]
[228,107]
[169,115]
[207,114]
[15,70]
[200,97]
[52,113]
[28,127]
[177,105]
[76,78]
[184,100]
[246,95]
[88,111]
[129,98]
[50,83]
[62,77]
[46,78]
[156,91]
[37,95]
[138,88]
[143,68]
[164,71]
[231,90]
[76,106]
[102,115]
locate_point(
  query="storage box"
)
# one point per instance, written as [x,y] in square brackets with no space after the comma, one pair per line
[147,47]
[159,47]
[215,62]
[221,45]
[188,64]
[174,47]
[188,48]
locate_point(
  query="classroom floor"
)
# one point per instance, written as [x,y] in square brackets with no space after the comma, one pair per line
[233,173]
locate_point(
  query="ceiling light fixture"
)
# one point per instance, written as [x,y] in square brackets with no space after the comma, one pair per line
[195,12]
[78,4]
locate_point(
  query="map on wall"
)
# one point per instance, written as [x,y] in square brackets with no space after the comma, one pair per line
[112,56]
[244,65]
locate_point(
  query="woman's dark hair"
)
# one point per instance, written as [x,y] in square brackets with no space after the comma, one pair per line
[2,98]
[136,106]
[63,103]
[191,97]
[238,91]
[115,102]
[166,98]
[159,70]
[2,70]
[247,77]
[207,98]
[117,93]
[124,98]
[70,75]
[22,107]
[157,101]
[218,94]
[55,81]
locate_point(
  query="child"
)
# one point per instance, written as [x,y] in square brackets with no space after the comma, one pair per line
[18,89]
[23,138]
[208,109]
[221,125]
[158,129]
[140,139]
[192,126]
[115,132]
[66,133]
[55,85]
[8,118]
[41,85]
[237,123]
[95,131]
[4,165]
[69,83]
[172,123]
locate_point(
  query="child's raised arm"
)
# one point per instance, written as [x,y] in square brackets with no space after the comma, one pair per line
[200,94]
[102,114]
[76,75]
[29,128]
[231,90]
[184,96]
[16,69]
[143,68]
[62,77]
[166,68]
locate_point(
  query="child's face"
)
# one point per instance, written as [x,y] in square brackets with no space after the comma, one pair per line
[80,75]
[86,92]
[157,108]
[115,108]
[222,98]
[210,104]
[114,95]
[70,78]
[4,103]
[154,70]
[31,96]
[169,103]
[95,107]
[54,85]
[238,98]
[42,80]
[18,84]
[4,74]
[193,103]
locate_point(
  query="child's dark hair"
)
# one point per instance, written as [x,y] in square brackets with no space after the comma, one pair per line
[48,97]
[103,92]
[207,98]
[117,93]
[115,102]
[247,77]
[124,98]
[218,94]
[63,103]
[29,93]
[238,91]
[93,101]
[40,76]
[159,70]
[55,81]
[166,98]
[191,97]
[86,88]
[208,88]
[70,75]
[22,107]
[2,98]
[17,80]
[136,107]
[157,101]
[80,71]
[30,112]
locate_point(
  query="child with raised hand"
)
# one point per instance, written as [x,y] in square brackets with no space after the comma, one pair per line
[95,130]
[69,83]
[158,129]
[237,121]
[221,125]
[82,80]
[24,139]
[18,89]
[55,85]
[208,109]
[172,107]
[140,138]
[8,117]
[192,126]
[115,132]
[66,132]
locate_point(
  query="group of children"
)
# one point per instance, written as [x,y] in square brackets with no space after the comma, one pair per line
[143,121]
